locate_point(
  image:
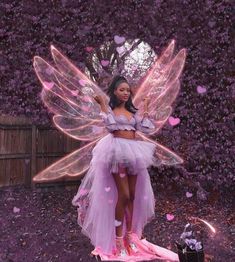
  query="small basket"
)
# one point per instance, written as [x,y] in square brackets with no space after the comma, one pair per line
[189,255]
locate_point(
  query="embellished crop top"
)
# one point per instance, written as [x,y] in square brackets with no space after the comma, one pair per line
[121,122]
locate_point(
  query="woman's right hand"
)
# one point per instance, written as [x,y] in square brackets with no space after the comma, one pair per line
[99,99]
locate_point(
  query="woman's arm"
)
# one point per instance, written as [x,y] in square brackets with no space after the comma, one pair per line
[100,100]
[106,114]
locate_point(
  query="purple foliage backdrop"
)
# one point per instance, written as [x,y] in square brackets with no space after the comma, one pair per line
[203,138]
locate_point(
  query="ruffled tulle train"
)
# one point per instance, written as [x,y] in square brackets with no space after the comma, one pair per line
[97,196]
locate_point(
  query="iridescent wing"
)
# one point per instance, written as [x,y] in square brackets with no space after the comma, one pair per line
[71,166]
[161,84]
[163,155]
[68,93]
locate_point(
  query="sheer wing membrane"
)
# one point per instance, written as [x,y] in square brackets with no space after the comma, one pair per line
[68,93]
[163,155]
[161,84]
[71,166]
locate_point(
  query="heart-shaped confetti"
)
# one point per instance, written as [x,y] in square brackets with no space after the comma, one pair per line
[119,39]
[122,175]
[107,189]
[85,108]
[16,210]
[201,89]
[74,93]
[48,85]
[188,194]
[89,48]
[173,121]
[145,197]
[82,82]
[104,62]
[170,217]
[87,99]
[117,223]
[120,50]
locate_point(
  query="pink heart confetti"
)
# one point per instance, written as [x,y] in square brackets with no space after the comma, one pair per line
[170,217]
[110,201]
[48,85]
[87,99]
[145,197]
[16,210]
[201,89]
[107,189]
[120,49]
[82,82]
[173,121]
[74,93]
[104,62]
[122,175]
[119,39]
[188,194]
[85,108]
[117,223]
[89,48]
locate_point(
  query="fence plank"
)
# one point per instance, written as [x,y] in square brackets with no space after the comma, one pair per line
[26,149]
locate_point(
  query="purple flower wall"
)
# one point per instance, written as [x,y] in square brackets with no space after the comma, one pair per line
[203,138]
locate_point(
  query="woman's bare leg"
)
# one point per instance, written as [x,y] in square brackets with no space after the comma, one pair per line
[123,198]
[129,210]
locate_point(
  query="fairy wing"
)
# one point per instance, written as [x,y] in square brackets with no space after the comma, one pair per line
[71,166]
[161,84]
[68,93]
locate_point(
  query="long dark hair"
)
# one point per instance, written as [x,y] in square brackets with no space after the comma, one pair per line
[114,101]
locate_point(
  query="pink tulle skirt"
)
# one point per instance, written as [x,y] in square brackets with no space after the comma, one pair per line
[97,194]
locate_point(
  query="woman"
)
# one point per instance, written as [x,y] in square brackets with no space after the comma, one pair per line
[115,199]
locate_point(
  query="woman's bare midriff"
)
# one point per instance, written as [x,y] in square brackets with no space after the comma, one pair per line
[130,134]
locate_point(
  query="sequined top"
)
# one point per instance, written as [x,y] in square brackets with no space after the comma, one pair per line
[121,122]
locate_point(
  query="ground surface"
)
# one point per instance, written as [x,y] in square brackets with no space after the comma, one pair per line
[41,225]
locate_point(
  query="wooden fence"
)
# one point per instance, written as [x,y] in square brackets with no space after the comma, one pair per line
[26,149]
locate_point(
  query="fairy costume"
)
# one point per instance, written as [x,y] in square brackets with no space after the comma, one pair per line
[98,189]
[67,92]
[97,195]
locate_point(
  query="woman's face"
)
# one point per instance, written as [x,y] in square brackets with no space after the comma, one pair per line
[123,92]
